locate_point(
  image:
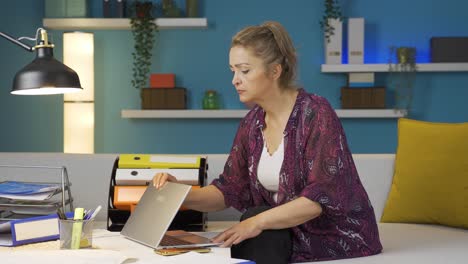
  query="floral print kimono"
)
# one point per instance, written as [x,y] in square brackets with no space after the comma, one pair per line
[317,165]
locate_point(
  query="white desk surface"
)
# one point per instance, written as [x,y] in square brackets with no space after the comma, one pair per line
[144,254]
[111,248]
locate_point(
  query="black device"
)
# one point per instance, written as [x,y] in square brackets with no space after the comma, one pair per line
[449,49]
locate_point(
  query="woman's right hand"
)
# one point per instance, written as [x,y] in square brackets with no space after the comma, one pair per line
[161,178]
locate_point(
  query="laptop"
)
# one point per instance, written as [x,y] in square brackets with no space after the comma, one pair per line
[154,213]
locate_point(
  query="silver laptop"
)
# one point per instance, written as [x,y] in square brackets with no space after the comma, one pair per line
[154,213]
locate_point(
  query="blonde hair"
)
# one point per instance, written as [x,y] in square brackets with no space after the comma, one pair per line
[271,42]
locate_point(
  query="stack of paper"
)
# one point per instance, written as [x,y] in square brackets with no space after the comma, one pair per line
[27,191]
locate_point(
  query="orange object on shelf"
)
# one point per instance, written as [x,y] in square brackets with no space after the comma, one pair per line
[126,196]
[162,80]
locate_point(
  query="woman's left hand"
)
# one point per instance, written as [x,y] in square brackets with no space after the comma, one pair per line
[246,229]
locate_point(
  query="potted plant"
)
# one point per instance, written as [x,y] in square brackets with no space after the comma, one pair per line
[144,31]
[332,11]
[402,75]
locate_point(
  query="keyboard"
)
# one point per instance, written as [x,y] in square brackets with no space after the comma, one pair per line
[172,241]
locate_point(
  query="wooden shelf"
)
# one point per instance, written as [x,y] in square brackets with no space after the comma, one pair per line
[422,67]
[189,114]
[119,23]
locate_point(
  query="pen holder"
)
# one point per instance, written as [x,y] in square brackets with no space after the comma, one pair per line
[76,234]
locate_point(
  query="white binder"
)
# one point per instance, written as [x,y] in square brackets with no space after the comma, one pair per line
[356,40]
[145,176]
[333,48]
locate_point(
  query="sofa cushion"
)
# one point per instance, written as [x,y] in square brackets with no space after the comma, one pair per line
[430,182]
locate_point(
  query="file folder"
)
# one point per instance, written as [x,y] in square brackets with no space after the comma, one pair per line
[127,196]
[30,230]
[356,40]
[148,161]
[145,176]
[334,46]
[189,220]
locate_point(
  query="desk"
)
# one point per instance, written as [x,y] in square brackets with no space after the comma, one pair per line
[114,241]
[112,248]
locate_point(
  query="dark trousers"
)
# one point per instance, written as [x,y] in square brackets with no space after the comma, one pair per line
[271,246]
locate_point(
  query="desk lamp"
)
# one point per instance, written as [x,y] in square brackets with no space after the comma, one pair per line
[44,75]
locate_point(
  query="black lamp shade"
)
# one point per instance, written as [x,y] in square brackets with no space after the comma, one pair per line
[45,75]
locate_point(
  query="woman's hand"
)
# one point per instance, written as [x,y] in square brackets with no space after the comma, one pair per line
[244,230]
[161,178]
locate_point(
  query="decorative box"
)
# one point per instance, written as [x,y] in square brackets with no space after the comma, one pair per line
[163,98]
[162,80]
[365,97]
[449,49]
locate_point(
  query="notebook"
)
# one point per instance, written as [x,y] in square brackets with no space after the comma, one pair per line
[154,213]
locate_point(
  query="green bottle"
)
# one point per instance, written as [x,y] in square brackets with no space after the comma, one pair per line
[210,100]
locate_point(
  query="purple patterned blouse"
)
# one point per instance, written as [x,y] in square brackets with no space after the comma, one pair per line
[317,165]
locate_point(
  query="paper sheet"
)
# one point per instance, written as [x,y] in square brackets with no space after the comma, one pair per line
[82,256]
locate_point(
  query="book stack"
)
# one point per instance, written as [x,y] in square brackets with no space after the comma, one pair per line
[134,173]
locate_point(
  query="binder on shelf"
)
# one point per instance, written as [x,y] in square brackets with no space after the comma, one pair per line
[120,204]
[127,196]
[356,40]
[106,8]
[132,161]
[144,176]
[30,230]
[333,47]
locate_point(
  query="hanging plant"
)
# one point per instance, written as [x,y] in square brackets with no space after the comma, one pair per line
[144,31]
[332,11]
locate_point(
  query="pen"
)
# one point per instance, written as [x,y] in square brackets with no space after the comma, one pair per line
[77,227]
[95,212]
[60,214]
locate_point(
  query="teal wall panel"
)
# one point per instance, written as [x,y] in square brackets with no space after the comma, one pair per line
[199,58]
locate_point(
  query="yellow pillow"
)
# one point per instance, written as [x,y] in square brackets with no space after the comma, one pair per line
[430,182]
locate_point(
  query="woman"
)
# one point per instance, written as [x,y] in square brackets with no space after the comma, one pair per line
[290,169]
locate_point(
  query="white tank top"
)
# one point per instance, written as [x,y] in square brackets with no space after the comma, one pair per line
[269,168]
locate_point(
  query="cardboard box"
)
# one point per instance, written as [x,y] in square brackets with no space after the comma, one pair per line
[162,80]
[163,98]
[366,97]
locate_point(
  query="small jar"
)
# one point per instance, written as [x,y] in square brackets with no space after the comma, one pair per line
[210,100]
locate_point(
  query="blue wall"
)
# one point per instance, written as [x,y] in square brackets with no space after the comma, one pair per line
[200,60]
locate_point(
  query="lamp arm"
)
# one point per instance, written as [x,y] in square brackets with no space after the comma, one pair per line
[17,42]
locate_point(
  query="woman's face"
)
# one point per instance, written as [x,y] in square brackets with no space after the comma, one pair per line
[250,78]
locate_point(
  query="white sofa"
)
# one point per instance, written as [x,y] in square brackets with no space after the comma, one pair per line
[403,243]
